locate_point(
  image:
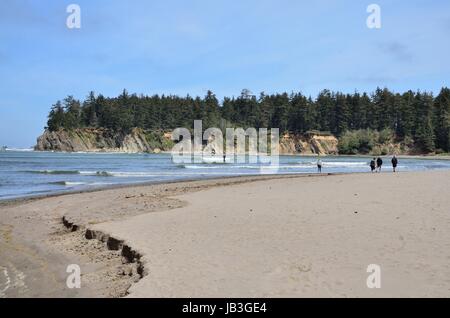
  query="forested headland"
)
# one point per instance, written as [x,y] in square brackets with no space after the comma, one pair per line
[358,120]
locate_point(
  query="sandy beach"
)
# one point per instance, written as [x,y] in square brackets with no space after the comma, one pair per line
[268,236]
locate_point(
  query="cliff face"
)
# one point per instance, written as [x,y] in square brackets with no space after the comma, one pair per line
[104,140]
[101,140]
[311,144]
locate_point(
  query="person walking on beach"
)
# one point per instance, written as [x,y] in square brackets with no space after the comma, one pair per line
[379,164]
[372,165]
[319,165]
[394,163]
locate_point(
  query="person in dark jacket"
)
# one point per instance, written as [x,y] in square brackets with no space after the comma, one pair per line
[372,165]
[379,164]
[394,162]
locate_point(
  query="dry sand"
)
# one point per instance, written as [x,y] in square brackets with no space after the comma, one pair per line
[242,237]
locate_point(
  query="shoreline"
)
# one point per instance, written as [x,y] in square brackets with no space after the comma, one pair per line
[31,198]
[105,230]
[406,156]
[13,199]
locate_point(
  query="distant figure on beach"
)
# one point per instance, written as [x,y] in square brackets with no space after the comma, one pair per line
[372,165]
[224,158]
[319,165]
[379,164]
[394,162]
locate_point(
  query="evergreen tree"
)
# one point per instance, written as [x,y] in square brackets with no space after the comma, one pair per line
[407,115]
[89,112]
[311,116]
[297,117]
[264,115]
[326,116]
[342,115]
[56,117]
[423,133]
[281,110]
[442,119]
[72,110]
[212,111]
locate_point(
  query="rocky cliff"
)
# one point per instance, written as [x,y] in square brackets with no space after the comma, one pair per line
[308,144]
[138,140]
[103,140]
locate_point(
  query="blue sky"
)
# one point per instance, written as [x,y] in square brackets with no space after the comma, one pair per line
[181,47]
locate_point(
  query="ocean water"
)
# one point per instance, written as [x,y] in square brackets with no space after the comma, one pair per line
[29,173]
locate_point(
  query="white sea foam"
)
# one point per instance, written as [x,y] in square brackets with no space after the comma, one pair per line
[344,163]
[69,183]
[118,173]
[19,149]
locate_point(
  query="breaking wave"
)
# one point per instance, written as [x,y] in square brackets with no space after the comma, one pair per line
[53,171]
[67,183]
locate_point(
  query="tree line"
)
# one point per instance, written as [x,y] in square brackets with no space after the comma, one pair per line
[413,114]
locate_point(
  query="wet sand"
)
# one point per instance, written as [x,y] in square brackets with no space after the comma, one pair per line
[269,236]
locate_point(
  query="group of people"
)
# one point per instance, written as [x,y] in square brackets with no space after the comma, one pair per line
[375,164]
